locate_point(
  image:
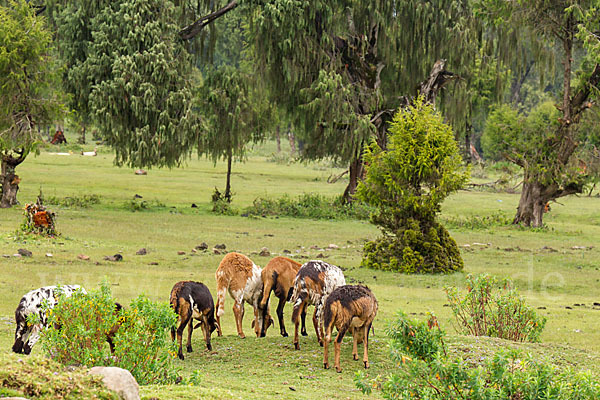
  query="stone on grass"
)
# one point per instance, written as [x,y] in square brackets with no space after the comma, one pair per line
[83,257]
[202,246]
[118,380]
[25,252]
[141,252]
[264,252]
[116,257]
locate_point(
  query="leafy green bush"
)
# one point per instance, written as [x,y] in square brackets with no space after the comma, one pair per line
[308,205]
[485,311]
[143,205]
[83,201]
[475,222]
[425,371]
[78,327]
[407,183]
[221,204]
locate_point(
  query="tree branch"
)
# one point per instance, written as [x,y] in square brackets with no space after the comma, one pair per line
[579,101]
[193,29]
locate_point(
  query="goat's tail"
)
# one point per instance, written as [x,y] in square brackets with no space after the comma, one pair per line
[221,291]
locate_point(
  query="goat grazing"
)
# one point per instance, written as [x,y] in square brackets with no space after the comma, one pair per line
[192,300]
[239,276]
[278,276]
[313,283]
[349,307]
[37,302]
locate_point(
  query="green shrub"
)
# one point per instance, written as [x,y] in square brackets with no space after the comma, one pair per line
[83,201]
[407,183]
[221,204]
[485,311]
[308,205]
[475,222]
[78,328]
[425,371]
[143,205]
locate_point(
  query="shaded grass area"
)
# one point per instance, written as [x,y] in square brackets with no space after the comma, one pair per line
[556,269]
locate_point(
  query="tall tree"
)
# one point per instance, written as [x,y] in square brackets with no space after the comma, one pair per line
[233,118]
[572,25]
[341,67]
[128,69]
[27,95]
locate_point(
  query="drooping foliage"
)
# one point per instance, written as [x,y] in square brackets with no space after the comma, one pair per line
[407,184]
[342,68]
[28,97]
[130,72]
[233,117]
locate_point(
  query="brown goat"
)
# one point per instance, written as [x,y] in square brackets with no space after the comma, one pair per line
[349,307]
[314,282]
[239,276]
[192,300]
[278,276]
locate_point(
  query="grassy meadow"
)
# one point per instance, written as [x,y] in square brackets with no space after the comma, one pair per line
[556,269]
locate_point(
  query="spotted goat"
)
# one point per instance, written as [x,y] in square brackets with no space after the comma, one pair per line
[349,307]
[37,302]
[239,276]
[192,300]
[314,282]
[278,277]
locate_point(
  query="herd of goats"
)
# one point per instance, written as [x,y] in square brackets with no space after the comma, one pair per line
[347,307]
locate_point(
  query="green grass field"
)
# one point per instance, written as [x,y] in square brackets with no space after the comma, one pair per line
[556,268]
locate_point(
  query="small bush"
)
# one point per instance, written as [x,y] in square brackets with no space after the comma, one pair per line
[425,371]
[83,201]
[476,222]
[502,313]
[221,204]
[143,205]
[78,328]
[308,205]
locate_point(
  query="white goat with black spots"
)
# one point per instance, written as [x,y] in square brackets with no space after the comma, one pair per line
[315,281]
[26,334]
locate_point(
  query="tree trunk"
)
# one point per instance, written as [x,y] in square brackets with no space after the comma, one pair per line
[355,173]
[227,195]
[278,137]
[9,180]
[531,206]
[82,137]
[468,129]
[292,139]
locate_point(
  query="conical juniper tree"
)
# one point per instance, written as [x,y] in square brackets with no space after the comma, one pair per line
[407,183]
[128,69]
[550,170]
[27,95]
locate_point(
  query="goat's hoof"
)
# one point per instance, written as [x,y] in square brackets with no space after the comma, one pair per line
[355,357]
[181,357]
[304,333]
[321,343]
[242,336]
[284,334]
[366,364]
[326,365]
[338,370]
[189,349]
[297,346]
[208,346]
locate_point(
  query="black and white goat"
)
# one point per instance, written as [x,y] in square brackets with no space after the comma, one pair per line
[314,282]
[37,302]
[192,300]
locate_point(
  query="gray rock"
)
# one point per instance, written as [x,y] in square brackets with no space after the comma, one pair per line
[141,252]
[118,380]
[202,246]
[220,246]
[25,252]
[264,252]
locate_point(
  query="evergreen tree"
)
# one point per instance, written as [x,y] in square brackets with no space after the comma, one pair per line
[233,117]
[407,183]
[129,70]
[550,170]
[27,95]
